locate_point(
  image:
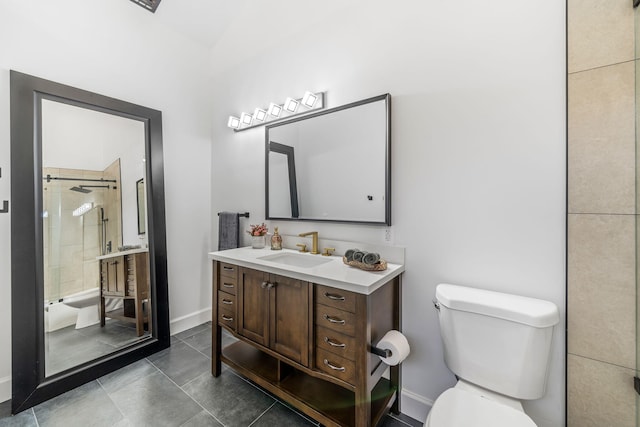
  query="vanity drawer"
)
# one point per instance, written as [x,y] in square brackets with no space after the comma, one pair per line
[335,342]
[226,301]
[335,319]
[227,318]
[228,278]
[337,298]
[336,366]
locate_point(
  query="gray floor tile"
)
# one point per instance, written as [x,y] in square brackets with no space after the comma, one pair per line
[230,399]
[154,400]
[412,422]
[203,419]
[181,363]
[199,341]
[193,331]
[23,419]
[116,380]
[87,405]
[281,416]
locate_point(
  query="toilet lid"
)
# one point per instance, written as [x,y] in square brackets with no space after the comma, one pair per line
[460,408]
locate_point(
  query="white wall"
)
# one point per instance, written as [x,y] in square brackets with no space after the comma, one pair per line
[478,95]
[118,49]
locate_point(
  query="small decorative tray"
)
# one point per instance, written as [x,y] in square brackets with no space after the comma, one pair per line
[379,266]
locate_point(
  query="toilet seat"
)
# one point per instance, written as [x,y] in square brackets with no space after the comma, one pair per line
[460,408]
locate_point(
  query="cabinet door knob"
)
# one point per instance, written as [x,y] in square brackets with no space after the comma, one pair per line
[264,284]
[334,320]
[271,285]
[334,367]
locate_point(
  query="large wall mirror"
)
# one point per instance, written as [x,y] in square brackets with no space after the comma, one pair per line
[89,290]
[334,165]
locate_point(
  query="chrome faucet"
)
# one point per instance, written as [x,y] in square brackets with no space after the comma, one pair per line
[314,235]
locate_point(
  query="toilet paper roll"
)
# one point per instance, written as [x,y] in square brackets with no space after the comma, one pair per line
[398,344]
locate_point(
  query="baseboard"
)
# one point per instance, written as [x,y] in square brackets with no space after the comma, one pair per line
[190,321]
[5,389]
[414,405]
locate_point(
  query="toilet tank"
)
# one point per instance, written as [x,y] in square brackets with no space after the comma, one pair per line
[498,341]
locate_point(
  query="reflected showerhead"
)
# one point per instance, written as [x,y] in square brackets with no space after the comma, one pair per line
[80,189]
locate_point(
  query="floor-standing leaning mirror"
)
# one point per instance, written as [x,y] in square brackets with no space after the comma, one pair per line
[89,291]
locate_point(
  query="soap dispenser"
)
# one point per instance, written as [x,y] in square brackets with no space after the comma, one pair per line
[276,240]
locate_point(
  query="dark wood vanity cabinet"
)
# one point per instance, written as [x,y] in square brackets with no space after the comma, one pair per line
[126,277]
[273,311]
[307,343]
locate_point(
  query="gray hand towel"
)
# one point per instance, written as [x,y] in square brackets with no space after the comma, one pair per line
[371,258]
[228,231]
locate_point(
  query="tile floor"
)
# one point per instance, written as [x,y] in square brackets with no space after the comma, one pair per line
[170,388]
[68,347]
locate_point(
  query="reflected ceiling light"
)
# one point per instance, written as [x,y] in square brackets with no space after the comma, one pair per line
[233,122]
[278,112]
[260,115]
[82,209]
[275,110]
[246,119]
[309,99]
[291,105]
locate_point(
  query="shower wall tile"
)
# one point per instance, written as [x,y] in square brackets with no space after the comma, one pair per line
[606,394]
[602,288]
[601,150]
[600,32]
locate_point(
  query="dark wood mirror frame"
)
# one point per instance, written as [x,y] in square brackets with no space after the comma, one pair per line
[29,384]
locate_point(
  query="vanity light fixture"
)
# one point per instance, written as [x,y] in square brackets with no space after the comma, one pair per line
[275,110]
[233,122]
[260,115]
[309,99]
[292,107]
[246,119]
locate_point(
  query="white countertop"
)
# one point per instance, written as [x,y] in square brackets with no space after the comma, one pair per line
[334,273]
[130,251]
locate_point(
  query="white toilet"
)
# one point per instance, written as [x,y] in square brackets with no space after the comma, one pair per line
[498,346]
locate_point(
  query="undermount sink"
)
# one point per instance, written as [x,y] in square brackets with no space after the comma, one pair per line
[297,260]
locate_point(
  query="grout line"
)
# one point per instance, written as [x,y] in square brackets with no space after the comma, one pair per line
[34,417]
[600,66]
[124,417]
[187,394]
[601,361]
[265,411]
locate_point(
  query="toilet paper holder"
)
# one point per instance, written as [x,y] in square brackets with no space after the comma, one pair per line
[382,352]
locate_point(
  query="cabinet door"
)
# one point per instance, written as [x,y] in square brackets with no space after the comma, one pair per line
[289,316]
[253,306]
[115,278]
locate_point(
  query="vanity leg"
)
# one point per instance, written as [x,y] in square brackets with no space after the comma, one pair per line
[102,310]
[216,330]
[216,344]
[395,373]
[139,316]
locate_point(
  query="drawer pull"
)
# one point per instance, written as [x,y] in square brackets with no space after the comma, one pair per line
[227,285]
[227,319]
[335,368]
[334,343]
[227,268]
[228,302]
[334,297]
[334,320]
